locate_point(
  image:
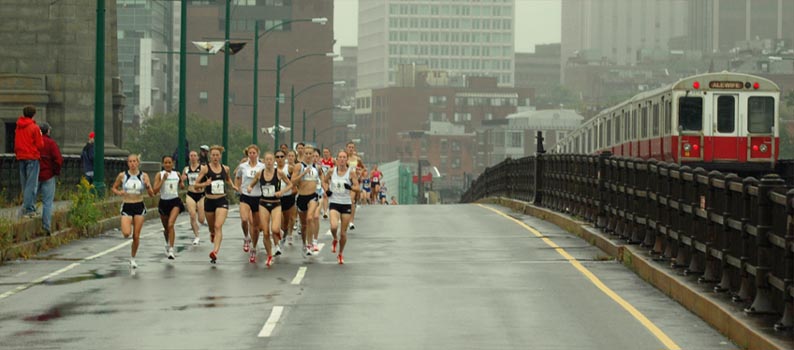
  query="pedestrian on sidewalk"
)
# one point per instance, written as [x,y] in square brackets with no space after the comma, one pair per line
[87,159]
[27,148]
[50,166]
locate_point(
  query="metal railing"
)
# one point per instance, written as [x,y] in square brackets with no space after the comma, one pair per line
[737,233]
[71,172]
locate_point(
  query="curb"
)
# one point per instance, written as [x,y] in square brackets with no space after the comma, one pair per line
[714,308]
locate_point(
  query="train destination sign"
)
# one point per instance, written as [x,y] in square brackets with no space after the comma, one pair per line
[726,85]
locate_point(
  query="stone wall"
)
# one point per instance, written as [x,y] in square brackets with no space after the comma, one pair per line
[48,61]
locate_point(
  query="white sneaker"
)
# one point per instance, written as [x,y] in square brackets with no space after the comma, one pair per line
[351,226]
[196,241]
[278,250]
[308,250]
[167,249]
[133,265]
[171,254]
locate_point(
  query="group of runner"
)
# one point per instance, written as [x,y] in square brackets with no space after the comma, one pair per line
[272,189]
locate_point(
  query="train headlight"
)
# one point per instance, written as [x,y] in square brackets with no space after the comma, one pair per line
[763,148]
[687,147]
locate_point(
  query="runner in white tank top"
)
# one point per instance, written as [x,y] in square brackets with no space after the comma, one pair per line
[339,184]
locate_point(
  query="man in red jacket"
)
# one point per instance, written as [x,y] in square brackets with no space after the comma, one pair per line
[27,146]
[50,163]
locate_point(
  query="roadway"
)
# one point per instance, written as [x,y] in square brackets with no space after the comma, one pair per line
[415,277]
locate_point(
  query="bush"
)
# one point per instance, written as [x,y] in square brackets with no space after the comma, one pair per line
[84,212]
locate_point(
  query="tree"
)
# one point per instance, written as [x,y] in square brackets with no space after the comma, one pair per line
[157,137]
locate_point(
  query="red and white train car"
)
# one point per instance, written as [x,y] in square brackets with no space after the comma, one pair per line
[726,121]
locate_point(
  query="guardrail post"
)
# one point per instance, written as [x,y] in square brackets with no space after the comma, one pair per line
[763,299]
[682,222]
[746,288]
[710,274]
[650,180]
[672,214]
[724,239]
[601,218]
[787,320]
[538,197]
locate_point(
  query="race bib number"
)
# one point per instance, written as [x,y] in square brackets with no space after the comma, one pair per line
[251,173]
[133,187]
[338,186]
[217,187]
[191,178]
[170,188]
[375,180]
[268,191]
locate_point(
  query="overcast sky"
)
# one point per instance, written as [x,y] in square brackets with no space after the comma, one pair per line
[537,22]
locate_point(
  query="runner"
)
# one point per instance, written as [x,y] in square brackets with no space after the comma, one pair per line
[338,184]
[306,176]
[195,197]
[132,182]
[366,189]
[315,215]
[249,200]
[327,165]
[288,208]
[354,162]
[269,180]
[375,179]
[167,183]
[213,177]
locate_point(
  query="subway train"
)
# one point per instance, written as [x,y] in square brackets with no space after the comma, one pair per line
[722,121]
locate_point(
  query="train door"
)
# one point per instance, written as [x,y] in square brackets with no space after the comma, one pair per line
[725,143]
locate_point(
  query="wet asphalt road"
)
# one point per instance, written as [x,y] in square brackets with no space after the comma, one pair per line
[430,277]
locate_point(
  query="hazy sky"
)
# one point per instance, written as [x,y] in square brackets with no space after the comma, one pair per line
[537,22]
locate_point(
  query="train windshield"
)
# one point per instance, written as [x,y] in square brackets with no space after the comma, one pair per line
[690,113]
[761,114]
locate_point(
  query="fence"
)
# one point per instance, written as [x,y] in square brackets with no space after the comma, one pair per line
[737,233]
[71,172]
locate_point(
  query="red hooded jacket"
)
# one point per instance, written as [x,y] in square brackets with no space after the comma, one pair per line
[51,160]
[27,139]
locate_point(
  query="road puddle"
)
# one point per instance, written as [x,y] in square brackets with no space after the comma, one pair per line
[92,275]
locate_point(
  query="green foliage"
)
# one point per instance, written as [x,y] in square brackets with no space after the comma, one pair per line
[157,136]
[84,211]
[6,234]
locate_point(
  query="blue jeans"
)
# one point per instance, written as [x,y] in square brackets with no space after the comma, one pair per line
[29,178]
[47,190]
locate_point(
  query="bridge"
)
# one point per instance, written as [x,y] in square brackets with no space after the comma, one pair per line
[559,252]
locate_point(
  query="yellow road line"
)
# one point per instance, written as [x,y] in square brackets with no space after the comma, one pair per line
[669,343]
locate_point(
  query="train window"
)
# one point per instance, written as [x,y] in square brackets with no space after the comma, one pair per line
[761,114]
[644,123]
[726,114]
[634,134]
[668,118]
[618,135]
[690,113]
[655,121]
[609,133]
[627,121]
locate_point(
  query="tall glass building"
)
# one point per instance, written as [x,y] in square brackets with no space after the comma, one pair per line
[462,37]
[148,77]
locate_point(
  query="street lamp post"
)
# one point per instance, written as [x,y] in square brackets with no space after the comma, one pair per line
[257,36]
[315,133]
[181,133]
[318,111]
[226,81]
[279,67]
[293,95]
[99,101]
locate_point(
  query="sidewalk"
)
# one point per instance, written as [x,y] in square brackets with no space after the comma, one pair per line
[12,213]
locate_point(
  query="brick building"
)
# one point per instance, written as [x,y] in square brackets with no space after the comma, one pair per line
[382,114]
[205,73]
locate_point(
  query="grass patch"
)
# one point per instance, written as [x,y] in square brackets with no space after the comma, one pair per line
[84,212]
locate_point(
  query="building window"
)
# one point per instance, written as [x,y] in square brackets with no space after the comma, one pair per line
[455,146]
[515,139]
[456,163]
[203,60]
[438,100]
[203,98]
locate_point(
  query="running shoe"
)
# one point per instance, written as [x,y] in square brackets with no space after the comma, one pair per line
[213,256]
[340,259]
[308,250]
[269,261]
[352,226]
[325,215]
[252,259]
[315,247]
[167,249]
[196,241]
[289,240]
[133,265]
[333,246]
[171,254]
[246,245]
[278,250]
